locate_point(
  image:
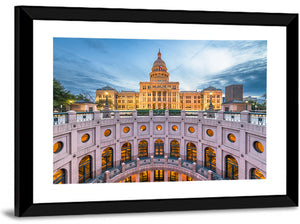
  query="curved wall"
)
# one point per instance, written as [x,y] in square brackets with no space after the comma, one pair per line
[242,149]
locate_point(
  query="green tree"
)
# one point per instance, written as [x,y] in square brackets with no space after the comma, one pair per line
[61,96]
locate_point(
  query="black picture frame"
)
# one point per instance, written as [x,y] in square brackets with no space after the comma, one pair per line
[24,18]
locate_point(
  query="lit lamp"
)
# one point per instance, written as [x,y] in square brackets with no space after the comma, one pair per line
[246,103]
[70,104]
[106,102]
[211,106]
[60,108]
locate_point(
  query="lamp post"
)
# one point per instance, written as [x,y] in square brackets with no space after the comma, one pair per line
[106,101]
[116,101]
[210,98]
[246,104]
[71,104]
[60,108]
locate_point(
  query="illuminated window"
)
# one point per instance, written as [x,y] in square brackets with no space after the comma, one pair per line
[126,152]
[174,128]
[127,180]
[57,147]
[85,138]
[258,147]
[144,176]
[232,168]
[209,132]
[107,132]
[143,149]
[158,175]
[158,127]
[210,158]
[173,176]
[85,169]
[107,159]
[126,129]
[174,146]
[191,129]
[158,148]
[186,178]
[59,177]
[256,174]
[231,138]
[191,152]
[143,128]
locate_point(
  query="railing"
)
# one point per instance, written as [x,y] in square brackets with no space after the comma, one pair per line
[210,114]
[84,116]
[114,171]
[158,112]
[191,113]
[126,114]
[174,112]
[258,118]
[251,117]
[232,116]
[107,114]
[60,118]
[142,112]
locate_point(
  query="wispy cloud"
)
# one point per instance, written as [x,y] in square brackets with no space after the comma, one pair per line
[89,64]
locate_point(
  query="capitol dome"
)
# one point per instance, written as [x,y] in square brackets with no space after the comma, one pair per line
[159,64]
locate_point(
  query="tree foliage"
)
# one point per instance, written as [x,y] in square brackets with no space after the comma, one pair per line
[63,97]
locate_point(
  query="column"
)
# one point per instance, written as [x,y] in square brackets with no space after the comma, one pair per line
[151,176]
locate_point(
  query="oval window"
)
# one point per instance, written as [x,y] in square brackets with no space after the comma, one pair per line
[231,137]
[174,128]
[57,147]
[126,129]
[85,138]
[143,128]
[107,132]
[158,127]
[191,129]
[209,132]
[258,146]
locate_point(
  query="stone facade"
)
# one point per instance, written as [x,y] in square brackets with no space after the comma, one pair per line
[242,149]
[160,93]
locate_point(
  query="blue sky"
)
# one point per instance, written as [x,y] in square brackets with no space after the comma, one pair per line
[85,64]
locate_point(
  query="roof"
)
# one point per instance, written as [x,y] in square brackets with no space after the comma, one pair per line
[83,101]
[211,88]
[106,88]
[234,101]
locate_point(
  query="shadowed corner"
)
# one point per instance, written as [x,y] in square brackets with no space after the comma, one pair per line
[9,213]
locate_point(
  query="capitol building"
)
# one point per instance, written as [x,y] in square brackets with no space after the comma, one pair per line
[136,141]
[160,93]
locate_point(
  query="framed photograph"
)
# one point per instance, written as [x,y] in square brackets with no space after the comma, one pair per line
[154,110]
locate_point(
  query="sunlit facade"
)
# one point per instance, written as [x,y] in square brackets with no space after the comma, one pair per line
[160,93]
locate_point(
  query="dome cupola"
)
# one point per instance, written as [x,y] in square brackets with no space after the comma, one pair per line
[159,70]
[159,64]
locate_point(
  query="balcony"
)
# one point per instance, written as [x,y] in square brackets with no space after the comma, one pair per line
[244,116]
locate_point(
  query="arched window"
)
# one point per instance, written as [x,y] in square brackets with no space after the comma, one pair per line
[144,176]
[59,177]
[158,175]
[256,174]
[174,147]
[143,149]
[107,159]
[210,158]
[191,152]
[85,169]
[158,148]
[126,152]
[173,176]
[232,168]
